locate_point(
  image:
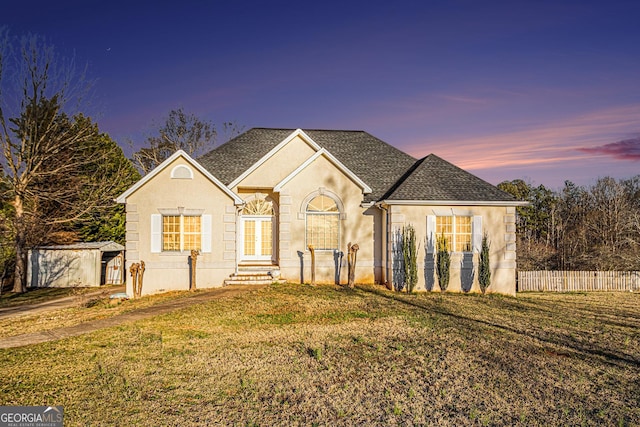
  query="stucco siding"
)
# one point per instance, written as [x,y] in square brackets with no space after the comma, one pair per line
[170,270]
[322,177]
[279,166]
[497,222]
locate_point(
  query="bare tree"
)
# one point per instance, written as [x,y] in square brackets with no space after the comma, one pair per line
[609,222]
[181,131]
[55,165]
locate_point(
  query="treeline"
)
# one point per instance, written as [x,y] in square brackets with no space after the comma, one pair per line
[579,227]
[59,174]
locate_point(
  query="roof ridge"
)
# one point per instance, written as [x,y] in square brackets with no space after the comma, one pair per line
[444,181]
[309,129]
[469,173]
[403,178]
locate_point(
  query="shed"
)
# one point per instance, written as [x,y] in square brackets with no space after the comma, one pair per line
[76,265]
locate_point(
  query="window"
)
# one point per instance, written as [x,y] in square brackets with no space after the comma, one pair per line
[181,172]
[323,223]
[457,231]
[181,233]
[258,207]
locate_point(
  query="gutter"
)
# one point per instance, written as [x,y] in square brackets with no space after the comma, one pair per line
[514,203]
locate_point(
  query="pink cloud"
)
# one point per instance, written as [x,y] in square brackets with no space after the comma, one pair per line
[542,145]
[627,149]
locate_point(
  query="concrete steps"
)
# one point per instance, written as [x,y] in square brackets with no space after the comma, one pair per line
[255,275]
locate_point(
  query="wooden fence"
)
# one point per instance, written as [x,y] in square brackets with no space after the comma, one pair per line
[569,281]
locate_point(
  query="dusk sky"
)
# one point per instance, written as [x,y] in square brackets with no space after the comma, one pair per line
[540,90]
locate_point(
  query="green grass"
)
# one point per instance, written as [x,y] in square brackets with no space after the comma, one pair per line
[301,355]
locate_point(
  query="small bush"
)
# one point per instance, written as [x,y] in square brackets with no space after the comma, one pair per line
[443,262]
[484,277]
[410,255]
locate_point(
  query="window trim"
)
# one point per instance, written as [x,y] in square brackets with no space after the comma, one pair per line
[178,172]
[181,233]
[157,230]
[474,222]
[339,214]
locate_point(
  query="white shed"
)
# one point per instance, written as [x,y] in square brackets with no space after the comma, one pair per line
[76,265]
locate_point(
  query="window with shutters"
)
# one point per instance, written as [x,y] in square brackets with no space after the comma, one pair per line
[181,233]
[457,230]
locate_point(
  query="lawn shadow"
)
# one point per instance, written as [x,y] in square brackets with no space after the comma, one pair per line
[549,338]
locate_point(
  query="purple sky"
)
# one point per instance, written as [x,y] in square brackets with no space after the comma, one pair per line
[540,90]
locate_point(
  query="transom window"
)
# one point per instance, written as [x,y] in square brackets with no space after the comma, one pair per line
[457,231]
[258,207]
[323,223]
[181,233]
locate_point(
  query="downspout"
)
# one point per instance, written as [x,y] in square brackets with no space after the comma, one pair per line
[386,241]
[238,235]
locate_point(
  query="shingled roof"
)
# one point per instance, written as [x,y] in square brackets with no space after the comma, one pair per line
[433,179]
[392,174]
[374,161]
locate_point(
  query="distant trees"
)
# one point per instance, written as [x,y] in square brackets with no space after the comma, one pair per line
[181,131]
[579,228]
[60,172]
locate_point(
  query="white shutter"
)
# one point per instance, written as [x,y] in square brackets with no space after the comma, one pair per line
[477,233]
[156,233]
[206,233]
[431,234]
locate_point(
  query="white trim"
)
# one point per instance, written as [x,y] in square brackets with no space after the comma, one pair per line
[430,243]
[451,203]
[476,234]
[323,152]
[341,214]
[156,233]
[123,197]
[258,220]
[454,232]
[206,232]
[274,150]
[320,192]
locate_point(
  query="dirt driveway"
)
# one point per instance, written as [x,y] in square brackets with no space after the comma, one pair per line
[57,303]
[143,313]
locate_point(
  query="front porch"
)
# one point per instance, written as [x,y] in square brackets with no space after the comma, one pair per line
[255,274]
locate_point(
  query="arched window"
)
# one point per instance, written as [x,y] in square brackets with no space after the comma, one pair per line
[181,172]
[258,207]
[323,223]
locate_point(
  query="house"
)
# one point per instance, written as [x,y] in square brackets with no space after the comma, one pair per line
[254,205]
[75,265]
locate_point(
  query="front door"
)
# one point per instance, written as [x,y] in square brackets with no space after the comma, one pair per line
[258,238]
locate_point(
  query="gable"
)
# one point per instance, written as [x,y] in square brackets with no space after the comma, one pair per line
[173,174]
[331,166]
[278,163]
[375,162]
[320,172]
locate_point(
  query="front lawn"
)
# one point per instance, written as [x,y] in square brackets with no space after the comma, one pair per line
[302,355]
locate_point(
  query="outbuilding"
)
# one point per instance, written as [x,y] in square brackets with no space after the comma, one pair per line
[76,265]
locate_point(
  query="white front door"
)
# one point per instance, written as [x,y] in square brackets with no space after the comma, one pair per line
[258,238]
